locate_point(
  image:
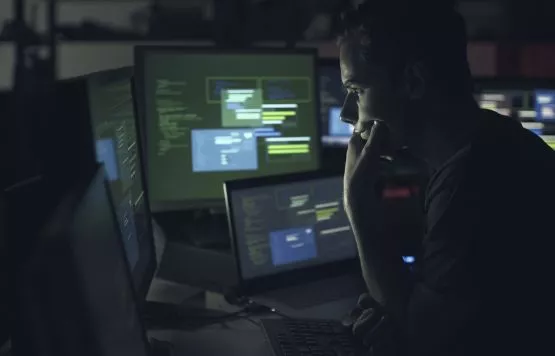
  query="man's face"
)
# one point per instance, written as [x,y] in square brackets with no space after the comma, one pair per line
[372,94]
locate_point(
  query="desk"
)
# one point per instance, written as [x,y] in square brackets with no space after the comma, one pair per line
[238,337]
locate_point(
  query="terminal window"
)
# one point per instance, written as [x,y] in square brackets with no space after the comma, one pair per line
[289,226]
[115,132]
[217,117]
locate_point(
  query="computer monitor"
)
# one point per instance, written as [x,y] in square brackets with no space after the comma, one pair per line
[532,102]
[98,110]
[75,293]
[218,115]
[289,227]
[339,132]
[116,133]
[332,96]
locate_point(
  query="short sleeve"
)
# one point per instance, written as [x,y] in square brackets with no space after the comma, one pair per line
[443,302]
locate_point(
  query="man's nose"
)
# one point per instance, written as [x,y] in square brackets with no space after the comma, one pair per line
[349,112]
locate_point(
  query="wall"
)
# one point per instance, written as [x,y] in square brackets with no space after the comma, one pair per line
[114,13]
[537,61]
[82,58]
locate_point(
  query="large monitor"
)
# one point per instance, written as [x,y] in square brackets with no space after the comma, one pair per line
[332,96]
[116,134]
[532,102]
[75,294]
[98,110]
[213,116]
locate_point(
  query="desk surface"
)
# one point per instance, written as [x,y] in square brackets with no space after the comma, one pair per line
[237,338]
[243,337]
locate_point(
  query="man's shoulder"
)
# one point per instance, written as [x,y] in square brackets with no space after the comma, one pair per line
[505,164]
[501,151]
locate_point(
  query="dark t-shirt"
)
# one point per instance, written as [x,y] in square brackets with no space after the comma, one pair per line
[485,282]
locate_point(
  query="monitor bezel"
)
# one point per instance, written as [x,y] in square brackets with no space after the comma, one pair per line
[257,285]
[142,283]
[140,53]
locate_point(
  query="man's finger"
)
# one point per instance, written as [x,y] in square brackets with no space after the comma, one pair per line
[373,147]
[376,334]
[365,301]
[354,150]
[365,323]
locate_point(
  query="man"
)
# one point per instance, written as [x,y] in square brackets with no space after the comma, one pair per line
[483,284]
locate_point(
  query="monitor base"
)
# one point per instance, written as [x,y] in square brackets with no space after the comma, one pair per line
[210,230]
[181,317]
[160,348]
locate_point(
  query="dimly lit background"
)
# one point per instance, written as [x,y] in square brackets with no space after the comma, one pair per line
[508,38]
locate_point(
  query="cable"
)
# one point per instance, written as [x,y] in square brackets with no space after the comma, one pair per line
[190,321]
[257,308]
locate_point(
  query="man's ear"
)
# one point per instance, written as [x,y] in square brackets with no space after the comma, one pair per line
[416,80]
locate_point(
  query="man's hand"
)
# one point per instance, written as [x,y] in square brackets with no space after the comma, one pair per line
[365,301]
[361,174]
[370,326]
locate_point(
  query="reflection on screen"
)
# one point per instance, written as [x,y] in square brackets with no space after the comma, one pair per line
[215,117]
[289,226]
[535,109]
[339,132]
[332,96]
[113,120]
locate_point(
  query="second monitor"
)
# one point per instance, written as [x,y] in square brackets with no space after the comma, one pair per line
[213,116]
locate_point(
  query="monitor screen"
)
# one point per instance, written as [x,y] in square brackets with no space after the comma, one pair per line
[332,96]
[338,131]
[214,116]
[77,291]
[534,108]
[117,147]
[289,226]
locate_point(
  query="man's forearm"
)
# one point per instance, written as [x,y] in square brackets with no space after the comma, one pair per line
[387,278]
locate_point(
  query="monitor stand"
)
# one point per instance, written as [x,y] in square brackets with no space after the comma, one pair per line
[210,230]
[178,316]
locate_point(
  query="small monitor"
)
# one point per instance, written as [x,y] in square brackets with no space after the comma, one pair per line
[332,97]
[288,224]
[213,116]
[532,102]
[339,132]
[76,295]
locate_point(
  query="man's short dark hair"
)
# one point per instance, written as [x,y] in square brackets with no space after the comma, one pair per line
[400,31]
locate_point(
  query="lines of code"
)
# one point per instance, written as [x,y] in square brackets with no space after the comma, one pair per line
[116,142]
[212,118]
[288,226]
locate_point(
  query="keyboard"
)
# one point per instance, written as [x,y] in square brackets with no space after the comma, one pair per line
[296,337]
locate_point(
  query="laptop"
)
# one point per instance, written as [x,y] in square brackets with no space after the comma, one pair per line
[291,238]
